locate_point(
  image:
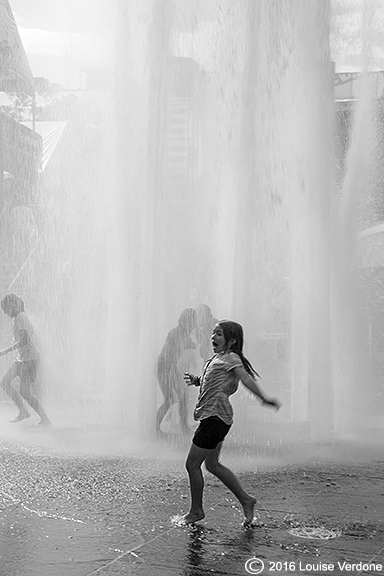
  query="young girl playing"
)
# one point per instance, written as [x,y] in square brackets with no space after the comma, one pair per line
[220,380]
[26,363]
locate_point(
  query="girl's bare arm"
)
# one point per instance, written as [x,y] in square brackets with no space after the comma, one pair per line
[252,385]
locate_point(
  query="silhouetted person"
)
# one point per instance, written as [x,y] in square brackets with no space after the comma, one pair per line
[206,323]
[26,363]
[168,374]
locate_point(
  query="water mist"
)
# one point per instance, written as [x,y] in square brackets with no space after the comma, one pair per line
[207,179]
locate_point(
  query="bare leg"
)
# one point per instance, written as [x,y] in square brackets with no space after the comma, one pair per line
[193,464]
[164,377]
[183,410]
[27,379]
[6,384]
[178,391]
[228,478]
[160,415]
[35,404]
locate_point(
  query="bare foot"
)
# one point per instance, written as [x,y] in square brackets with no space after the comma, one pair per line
[192,517]
[20,417]
[249,510]
[43,422]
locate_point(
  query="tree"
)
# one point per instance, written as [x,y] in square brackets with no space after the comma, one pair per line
[21,108]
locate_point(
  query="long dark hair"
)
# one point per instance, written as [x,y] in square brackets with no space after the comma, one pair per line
[234,331]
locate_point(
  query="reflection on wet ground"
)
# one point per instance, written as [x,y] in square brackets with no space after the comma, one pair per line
[66,514]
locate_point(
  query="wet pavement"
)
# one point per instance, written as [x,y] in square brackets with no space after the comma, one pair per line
[65,513]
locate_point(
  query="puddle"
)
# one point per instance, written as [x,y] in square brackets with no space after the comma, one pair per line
[360,530]
[314,532]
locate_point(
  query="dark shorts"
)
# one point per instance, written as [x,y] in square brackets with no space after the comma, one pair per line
[210,432]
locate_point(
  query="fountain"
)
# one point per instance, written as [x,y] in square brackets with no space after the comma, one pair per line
[206,175]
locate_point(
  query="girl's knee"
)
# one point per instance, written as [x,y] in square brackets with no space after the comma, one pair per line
[192,464]
[212,466]
[9,376]
[189,464]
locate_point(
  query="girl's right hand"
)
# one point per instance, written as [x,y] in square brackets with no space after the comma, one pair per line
[188,378]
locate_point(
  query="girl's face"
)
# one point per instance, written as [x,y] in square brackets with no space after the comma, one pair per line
[218,340]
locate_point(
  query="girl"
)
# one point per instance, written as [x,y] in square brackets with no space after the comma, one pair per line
[220,380]
[26,364]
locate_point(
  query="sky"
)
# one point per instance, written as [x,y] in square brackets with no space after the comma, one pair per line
[61,37]
[357,37]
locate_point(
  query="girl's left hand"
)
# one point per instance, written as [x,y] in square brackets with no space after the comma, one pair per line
[271,402]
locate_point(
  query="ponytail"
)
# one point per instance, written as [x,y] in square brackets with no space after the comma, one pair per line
[247,365]
[234,331]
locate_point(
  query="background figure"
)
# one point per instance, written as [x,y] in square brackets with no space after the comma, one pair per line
[168,374]
[26,363]
[205,322]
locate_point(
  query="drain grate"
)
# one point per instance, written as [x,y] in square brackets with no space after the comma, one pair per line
[315,532]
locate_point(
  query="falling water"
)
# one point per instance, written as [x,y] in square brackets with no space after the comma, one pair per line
[204,177]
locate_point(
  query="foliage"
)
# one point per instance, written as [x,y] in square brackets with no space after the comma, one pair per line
[21,108]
